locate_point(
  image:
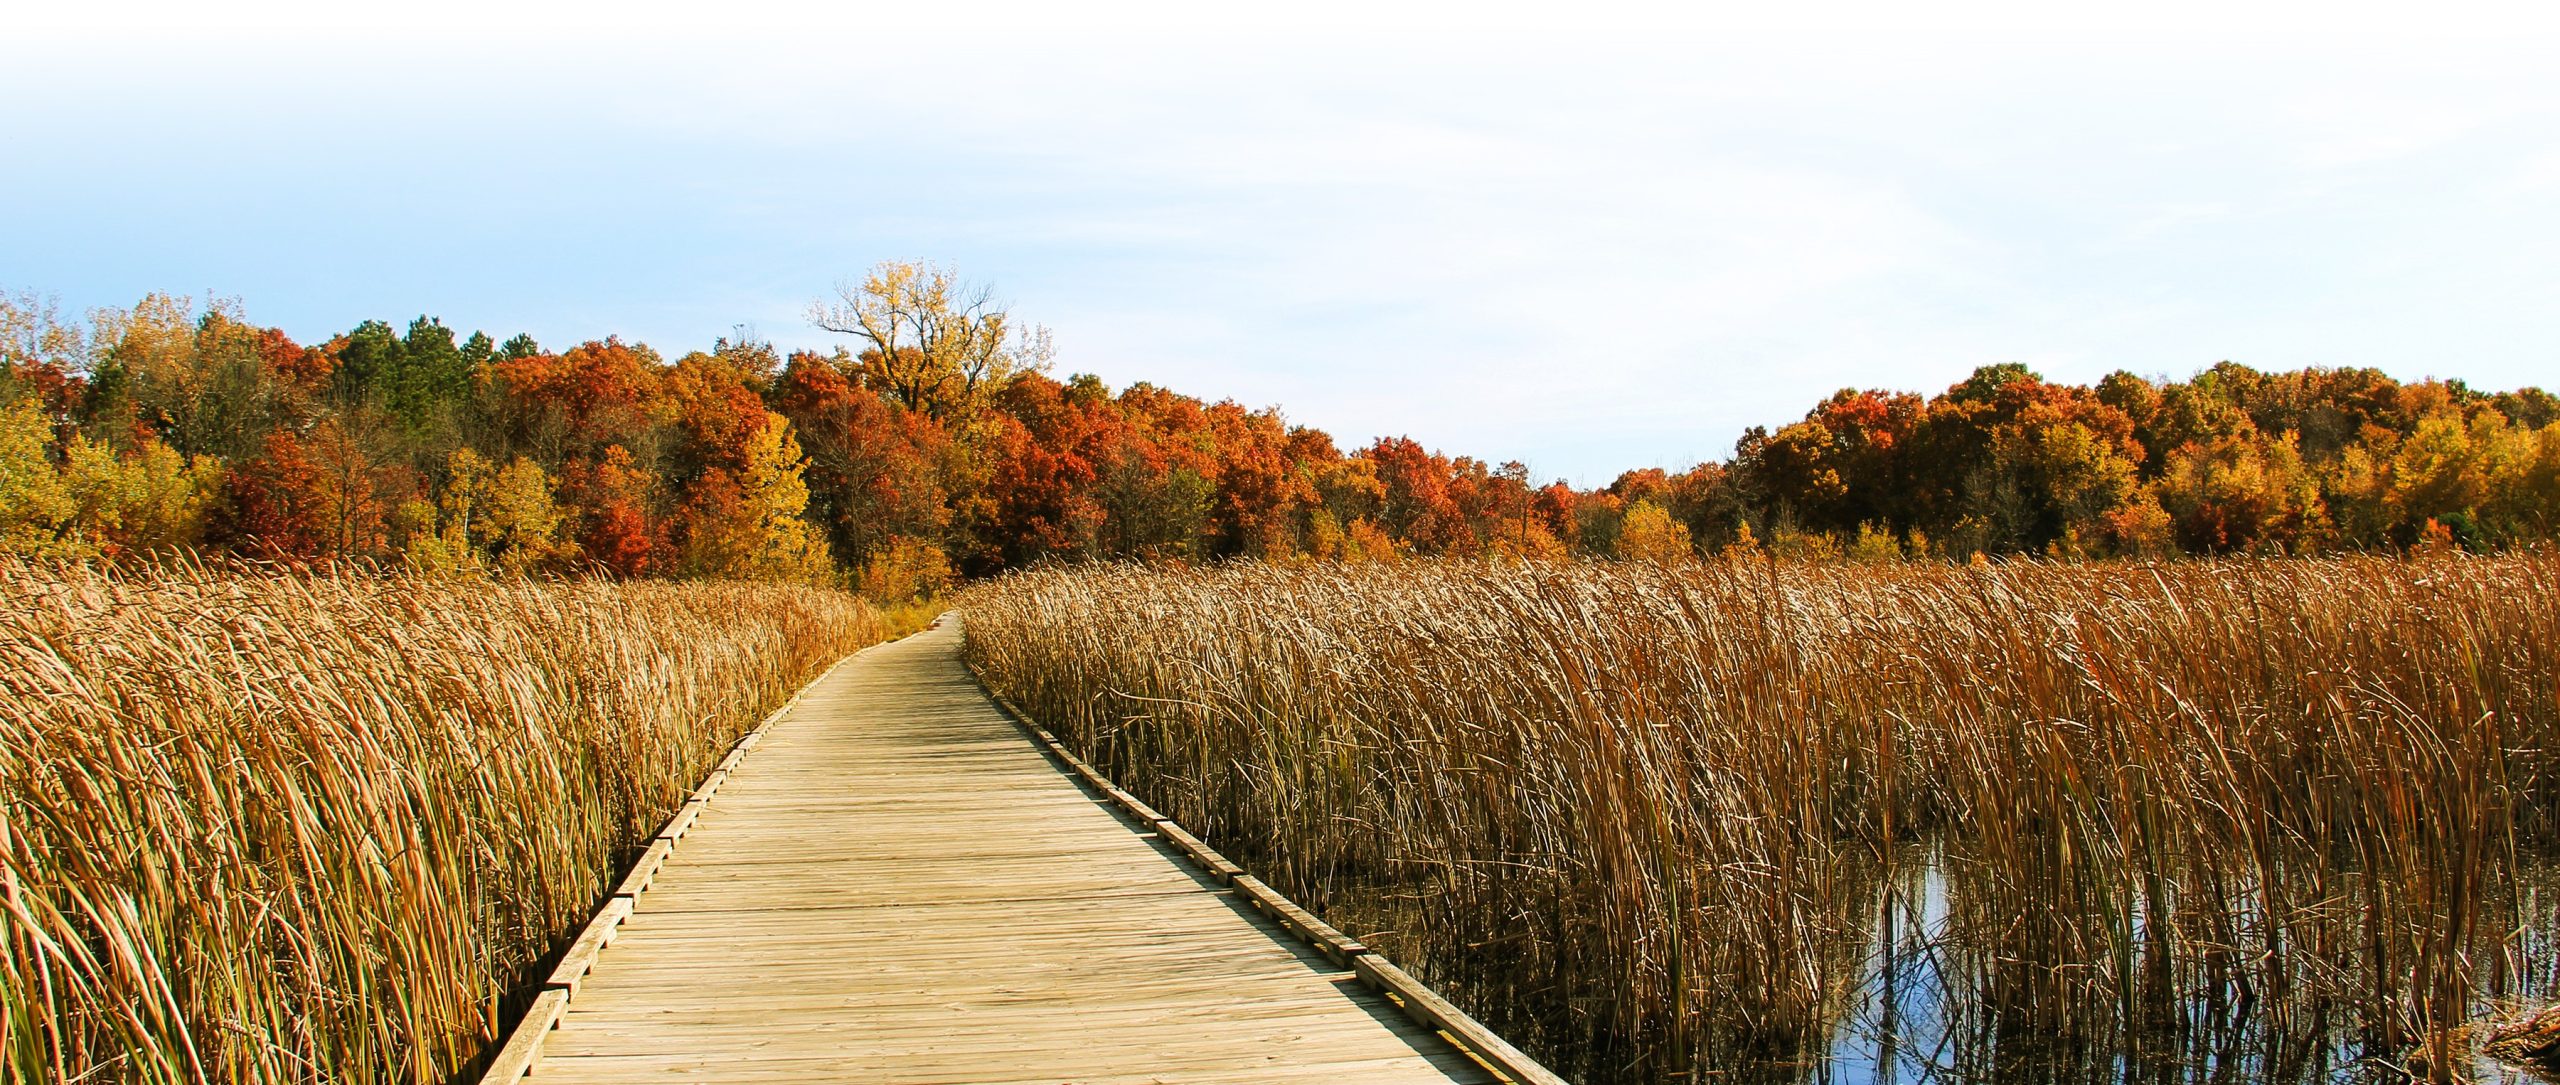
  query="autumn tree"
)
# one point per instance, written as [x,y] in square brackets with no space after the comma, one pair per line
[575,405]
[1039,463]
[2006,461]
[1648,533]
[329,493]
[876,470]
[1159,474]
[715,414]
[1152,507]
[931,341]
[146,499]
[1842,466]
[205,382]
[34,503]
[1262,497]
[619,525]
[274,508]
[2527,408]
[487,516]
[520,525]
[1526,518]
[2524,502]
[2241,491]
[2444,471]
[1413,487]
[355,484]
[748,523]
[42,356]
[1348,497]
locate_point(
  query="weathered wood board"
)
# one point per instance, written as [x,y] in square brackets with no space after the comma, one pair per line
[898,887]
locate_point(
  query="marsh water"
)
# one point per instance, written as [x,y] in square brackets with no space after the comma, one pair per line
[1923,1008]
[1924,987]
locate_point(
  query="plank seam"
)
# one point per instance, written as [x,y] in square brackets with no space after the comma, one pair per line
[523,1045]
[1416,999]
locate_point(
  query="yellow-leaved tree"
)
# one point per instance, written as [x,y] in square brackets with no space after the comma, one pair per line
[489,517]
[750,524]
[519,523]
[34,503]
[149,499]
[932,342]
[1648,533]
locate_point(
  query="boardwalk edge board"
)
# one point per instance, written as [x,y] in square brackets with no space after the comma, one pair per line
[1411,995]
[523,1046]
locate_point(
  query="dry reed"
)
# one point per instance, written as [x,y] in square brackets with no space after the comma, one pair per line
[302,828]
[1640,816]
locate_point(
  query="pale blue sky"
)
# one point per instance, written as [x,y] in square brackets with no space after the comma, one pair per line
[1590,250]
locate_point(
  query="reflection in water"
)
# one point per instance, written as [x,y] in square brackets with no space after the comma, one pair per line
[1931,971]
[1915,1012]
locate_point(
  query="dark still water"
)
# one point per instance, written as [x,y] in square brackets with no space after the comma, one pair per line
[1933,999]
[1934,972]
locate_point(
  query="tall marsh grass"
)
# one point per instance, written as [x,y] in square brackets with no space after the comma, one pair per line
[1652,819]
[309,828]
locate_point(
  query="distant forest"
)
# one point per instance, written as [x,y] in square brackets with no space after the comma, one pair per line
[936,443]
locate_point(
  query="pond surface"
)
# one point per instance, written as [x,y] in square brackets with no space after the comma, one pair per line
[1925,987]
[1908,1017]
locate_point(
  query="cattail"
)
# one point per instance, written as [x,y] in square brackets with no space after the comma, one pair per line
[265,826]
[1647,817]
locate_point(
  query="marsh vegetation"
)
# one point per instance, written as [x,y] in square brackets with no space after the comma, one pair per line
[2227,820]
[260,826]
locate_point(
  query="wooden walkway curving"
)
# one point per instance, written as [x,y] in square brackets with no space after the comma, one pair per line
[900,886]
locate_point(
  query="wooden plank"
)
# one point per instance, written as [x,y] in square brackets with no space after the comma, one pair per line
[777,1071]
[1411,994]
[682,823]
[1091,775]
[645,869]
[581,957]
[709,786]
[1143,812]
[1328,941]
[525,1043]
[904,885]
[1421,1000]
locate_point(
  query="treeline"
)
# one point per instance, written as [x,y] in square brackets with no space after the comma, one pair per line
[2233,460]
[936,443]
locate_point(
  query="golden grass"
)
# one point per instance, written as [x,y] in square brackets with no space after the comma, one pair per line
[1641,815]
[300,828]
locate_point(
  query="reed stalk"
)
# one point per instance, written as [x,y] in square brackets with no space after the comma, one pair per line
[1638,815]
[263,826]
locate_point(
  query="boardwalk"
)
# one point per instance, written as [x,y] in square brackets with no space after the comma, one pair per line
[897,885]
